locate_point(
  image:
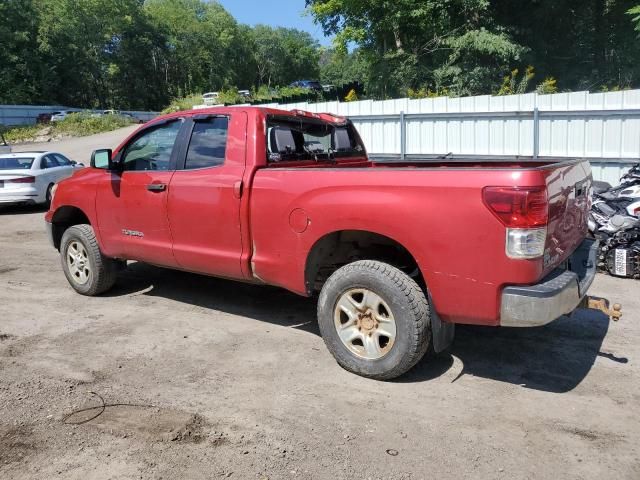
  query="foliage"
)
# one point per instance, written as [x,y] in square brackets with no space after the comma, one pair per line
[468,46]
[140,54]
[421,43]
[81,124]
[137,54]
[21,133]
[512,86]
[548,85]
[283,55]
[18,44]
[584,45]
[352,96]
[183,103]
[635,12]
[426,93]
[75,125]
[338,67]
[231,96]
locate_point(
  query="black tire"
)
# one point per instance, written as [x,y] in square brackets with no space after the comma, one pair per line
[47,197]
[102,269]
[409,307]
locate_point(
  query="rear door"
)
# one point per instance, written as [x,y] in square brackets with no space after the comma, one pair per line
[568,187]
[132,204]
[205,195]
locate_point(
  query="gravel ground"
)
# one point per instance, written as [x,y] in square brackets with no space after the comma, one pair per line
[206,378]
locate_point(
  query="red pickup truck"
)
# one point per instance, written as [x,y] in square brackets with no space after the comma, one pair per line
[396,252]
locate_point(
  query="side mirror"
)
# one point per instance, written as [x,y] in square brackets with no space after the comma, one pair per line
[102,159]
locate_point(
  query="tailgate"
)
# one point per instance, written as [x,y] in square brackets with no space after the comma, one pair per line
[568,187]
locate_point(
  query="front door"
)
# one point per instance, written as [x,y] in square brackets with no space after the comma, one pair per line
[132,203]
[205,194]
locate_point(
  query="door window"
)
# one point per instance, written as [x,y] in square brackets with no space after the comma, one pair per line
[152,150]
[62,160]
[49,162]
[208,143]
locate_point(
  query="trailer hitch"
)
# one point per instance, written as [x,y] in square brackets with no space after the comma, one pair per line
[602,304]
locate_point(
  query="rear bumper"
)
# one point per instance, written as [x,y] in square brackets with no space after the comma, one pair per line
[18,199]
[558,294]
[19,195]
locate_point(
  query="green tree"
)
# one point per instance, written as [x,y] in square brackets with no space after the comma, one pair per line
[20,65]
[338,67]
[206,47]
[585,45]
[635,12]
[452,45]
[283,55]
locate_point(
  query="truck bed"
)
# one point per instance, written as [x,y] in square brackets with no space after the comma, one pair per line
[431,208]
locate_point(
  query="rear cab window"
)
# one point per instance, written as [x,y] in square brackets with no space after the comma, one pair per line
[299,139]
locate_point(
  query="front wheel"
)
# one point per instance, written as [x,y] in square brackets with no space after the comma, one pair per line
[88,271]
[374,319]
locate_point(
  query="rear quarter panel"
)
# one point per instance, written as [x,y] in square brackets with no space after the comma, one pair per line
[437,214]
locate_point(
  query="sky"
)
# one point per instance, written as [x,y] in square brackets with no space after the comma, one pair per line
[277,13]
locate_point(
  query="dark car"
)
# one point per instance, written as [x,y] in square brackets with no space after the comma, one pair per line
[310,84]
[43,118]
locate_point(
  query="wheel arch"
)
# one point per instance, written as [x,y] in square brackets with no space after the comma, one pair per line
[64,217]
[337,248]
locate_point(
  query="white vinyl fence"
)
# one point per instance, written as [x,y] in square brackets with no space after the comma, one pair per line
[28,114]
[602,127]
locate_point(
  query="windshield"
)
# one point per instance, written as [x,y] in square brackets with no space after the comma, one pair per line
[296,139]
[16,163]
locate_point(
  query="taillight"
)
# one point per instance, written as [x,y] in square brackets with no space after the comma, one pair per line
[518,207]
[525,213]
[22,180]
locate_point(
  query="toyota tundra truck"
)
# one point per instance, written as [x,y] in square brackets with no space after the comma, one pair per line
[396,253]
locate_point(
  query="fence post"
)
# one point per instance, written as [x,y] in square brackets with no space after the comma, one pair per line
[536,132]
[403,136]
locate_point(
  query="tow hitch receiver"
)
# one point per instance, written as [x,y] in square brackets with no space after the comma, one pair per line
[602,304]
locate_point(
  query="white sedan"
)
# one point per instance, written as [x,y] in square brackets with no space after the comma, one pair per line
[28,177]
[59,116]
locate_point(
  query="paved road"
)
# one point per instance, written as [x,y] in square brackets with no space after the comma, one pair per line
[208,378]
[80,148]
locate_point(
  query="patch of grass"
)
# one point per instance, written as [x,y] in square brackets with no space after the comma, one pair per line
[81,124]
[75,125]
[21,133]
[185,103]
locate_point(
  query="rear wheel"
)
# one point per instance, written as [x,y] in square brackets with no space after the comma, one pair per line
[374,319]
[48,195]
[88,271]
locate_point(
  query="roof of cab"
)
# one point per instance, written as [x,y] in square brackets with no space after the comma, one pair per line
[327,117]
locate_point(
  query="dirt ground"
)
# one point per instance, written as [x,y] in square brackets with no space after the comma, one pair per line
[206,378]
